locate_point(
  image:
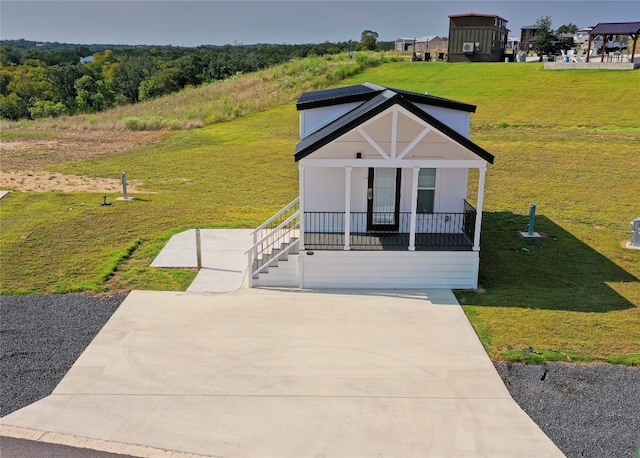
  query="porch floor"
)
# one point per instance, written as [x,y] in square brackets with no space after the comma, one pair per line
[387,242]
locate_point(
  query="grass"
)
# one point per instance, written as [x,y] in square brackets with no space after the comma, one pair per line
[206,177]
[565,140]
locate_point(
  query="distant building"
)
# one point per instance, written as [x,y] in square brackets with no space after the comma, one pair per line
[477,37]
[513,43]
[528,37]
[86,60]
[427,43]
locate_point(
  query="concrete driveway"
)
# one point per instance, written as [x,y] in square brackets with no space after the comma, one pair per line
[268,373]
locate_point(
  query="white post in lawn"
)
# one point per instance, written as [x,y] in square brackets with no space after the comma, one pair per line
[301,205]
[347,208]
[476,236]
[414,209]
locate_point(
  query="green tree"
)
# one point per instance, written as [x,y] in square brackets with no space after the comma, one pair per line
[9,55]
[368,40]
[5,79]
[46,109]
[13,107]
[567,28]
[160,83]
[63,77]
[130,73]
[92,95]
[30,82]
[544,36]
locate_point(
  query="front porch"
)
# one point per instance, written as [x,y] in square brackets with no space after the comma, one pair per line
[413,232]
[388,242]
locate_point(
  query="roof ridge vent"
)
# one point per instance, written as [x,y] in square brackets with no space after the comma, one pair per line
[388,93]
[375,87]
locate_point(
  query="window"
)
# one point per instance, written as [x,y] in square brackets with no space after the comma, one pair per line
[426,190]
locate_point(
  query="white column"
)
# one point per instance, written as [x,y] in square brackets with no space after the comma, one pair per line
[476,236]
[301,203]
[414,209]
[347,208]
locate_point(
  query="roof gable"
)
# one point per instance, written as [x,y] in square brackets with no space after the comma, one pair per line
[371,108]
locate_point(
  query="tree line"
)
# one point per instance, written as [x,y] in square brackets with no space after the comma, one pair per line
[48,80]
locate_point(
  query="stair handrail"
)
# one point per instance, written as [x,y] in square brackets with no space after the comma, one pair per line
[270,234]
[275,236]
[276,215]
[275,258]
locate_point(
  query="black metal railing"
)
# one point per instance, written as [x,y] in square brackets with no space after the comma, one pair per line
[390,231]
[469,221]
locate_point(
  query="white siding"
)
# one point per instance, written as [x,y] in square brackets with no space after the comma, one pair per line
[325,189]
[313,119]
[457,120]
[451,190]
[390,270]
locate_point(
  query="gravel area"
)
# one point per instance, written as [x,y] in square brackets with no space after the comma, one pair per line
[588,410]
[40,339]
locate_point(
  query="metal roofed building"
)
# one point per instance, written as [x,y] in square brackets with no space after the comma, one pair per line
[384,176]
[475,37]
[607,30]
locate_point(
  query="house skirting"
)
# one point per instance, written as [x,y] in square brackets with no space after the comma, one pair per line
[389,269]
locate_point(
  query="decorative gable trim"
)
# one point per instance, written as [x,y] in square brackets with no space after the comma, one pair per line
[368,110]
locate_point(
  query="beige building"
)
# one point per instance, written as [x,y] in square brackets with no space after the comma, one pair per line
[428,43]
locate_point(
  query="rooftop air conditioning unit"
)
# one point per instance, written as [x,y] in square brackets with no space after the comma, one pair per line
[468,48]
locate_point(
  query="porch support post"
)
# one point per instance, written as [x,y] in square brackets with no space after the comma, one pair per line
[347,208]
[414,209]
[476,235]
[301,204]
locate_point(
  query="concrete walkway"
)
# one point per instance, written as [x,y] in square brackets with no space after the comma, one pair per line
[224,264]
[268,373]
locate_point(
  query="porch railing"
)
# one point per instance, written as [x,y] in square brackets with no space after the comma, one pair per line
[433,231]
[274,239]
[469,220]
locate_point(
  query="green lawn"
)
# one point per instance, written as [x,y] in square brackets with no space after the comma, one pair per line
[568,141]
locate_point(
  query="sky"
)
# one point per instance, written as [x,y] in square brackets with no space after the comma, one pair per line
[208,22]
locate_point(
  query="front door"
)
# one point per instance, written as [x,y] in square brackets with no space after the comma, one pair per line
[383,199]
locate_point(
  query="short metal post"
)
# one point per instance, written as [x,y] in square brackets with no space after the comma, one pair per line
[123,178]
[532,218]
[198,248]
[635,233]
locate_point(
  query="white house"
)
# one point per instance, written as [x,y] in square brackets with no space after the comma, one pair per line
[383,179]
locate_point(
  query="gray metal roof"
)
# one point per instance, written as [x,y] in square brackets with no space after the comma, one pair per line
[616,28]
[367,91]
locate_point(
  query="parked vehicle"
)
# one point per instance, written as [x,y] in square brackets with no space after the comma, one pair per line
[581,39]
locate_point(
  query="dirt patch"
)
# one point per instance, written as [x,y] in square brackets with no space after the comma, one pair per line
[55,146]
[29,181]
[25,158]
